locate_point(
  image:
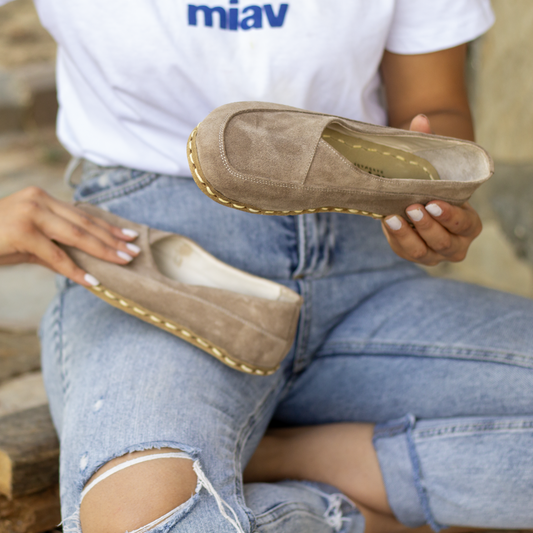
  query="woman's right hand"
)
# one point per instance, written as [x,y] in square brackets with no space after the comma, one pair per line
[31,220]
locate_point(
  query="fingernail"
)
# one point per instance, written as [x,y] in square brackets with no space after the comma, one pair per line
[91,280]
[394,223]
[133,247]
[434,210]
[415,214]
[125,256]
[130,232]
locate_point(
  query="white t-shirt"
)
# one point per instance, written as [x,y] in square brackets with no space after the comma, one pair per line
[135,77]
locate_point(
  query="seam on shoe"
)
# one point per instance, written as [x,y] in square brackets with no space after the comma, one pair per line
[178,330]
[219,198]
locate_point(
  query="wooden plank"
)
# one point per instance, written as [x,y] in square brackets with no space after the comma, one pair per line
[19,353]
[29,452]
[35,513]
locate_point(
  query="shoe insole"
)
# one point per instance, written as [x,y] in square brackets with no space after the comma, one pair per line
[380,160]
[181,260]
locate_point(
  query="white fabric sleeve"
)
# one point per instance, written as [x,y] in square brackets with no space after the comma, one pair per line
[423,26]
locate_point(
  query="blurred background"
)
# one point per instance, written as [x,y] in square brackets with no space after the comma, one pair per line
[500,81]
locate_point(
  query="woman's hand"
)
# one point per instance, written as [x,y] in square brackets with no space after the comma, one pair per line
[31,220]
[441,232]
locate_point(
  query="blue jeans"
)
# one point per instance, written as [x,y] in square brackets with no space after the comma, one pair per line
[444,369]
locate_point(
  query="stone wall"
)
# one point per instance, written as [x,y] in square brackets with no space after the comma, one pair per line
[503,83]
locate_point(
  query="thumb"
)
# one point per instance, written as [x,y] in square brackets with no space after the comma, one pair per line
[421,124]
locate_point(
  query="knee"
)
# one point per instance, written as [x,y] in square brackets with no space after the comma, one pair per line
[138,495]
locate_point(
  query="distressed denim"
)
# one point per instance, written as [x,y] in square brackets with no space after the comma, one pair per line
[444,369]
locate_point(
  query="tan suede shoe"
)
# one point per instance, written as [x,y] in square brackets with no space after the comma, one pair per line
[278,160]
[245,321]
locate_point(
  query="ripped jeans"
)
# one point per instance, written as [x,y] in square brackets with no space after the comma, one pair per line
[444,369]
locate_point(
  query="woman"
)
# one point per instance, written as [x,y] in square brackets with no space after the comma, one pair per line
[410,395]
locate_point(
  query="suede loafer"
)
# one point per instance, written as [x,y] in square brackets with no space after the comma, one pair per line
[278,160]
[245,321]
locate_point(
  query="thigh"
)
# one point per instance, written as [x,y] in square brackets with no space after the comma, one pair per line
[429,347]
[118,385]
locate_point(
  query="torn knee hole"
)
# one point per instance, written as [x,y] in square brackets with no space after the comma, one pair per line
[137,492]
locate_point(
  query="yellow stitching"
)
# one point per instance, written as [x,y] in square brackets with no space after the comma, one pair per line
[198,175]
[238,206]
[210,191]
[253,210]
[383,153]
[185,333]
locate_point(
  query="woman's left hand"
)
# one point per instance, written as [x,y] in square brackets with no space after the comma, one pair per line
[442,232]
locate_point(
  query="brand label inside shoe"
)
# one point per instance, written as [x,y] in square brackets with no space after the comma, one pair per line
[370,170]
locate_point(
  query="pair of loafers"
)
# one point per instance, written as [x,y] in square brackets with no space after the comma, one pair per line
[272,159]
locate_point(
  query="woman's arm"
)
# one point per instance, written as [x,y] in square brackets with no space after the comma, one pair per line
[427,93]
[31,222]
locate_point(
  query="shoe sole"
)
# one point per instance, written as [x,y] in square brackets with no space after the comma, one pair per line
[155,319]
[206,187]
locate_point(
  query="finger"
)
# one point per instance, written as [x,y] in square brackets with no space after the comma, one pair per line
[421,124]
[49,254]
[65,232]
[458,220]
[111,235]
[15,259]
[406,242]
[436,237]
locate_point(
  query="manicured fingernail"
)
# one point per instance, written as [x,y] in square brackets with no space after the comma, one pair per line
[91,280]
[125,256]
[130,232]
[133,247]
[394,223]
[434,210]
[415,214]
